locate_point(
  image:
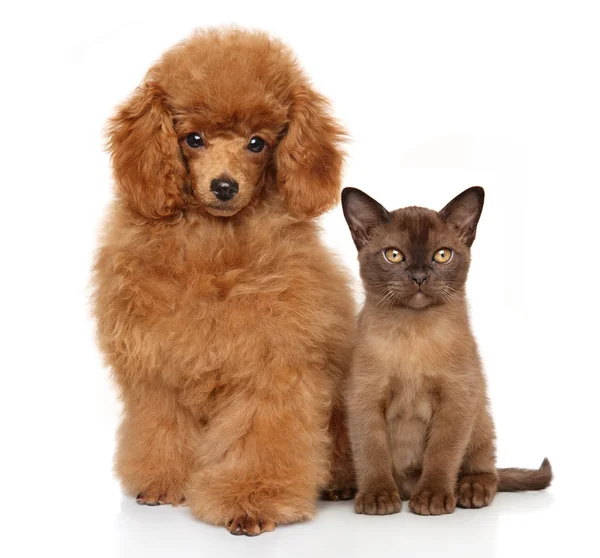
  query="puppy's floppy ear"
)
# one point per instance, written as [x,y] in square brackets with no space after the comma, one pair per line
[363,215]
[308,158]
[147,164]
[463,213]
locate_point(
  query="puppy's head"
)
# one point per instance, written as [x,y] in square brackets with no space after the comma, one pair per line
[220,119]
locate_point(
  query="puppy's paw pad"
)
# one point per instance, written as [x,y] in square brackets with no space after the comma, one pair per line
[333,494]
[249,526]
[156,498]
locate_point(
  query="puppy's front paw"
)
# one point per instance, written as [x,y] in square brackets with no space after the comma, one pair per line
[432,500]
[249,526]
[154,497]
[335,493]
[378,502]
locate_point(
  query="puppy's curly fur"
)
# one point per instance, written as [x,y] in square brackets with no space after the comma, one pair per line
[226,322]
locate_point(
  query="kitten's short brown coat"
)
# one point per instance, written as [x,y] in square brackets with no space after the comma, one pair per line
[418,412]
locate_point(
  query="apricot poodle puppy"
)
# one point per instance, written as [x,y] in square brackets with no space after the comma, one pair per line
[223,318]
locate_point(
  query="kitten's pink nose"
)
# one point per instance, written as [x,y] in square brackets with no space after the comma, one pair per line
[419,277]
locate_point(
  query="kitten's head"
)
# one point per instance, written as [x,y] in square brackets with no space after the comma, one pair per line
[413,257]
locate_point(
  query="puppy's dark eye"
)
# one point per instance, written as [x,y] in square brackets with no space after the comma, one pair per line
[256,144]
[194,140]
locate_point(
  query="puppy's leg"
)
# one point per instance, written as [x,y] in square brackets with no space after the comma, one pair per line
[478,480]
[153,459]
[263,457]
[342,483]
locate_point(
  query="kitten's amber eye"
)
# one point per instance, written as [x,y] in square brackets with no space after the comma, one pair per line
[393,255]
[443,255]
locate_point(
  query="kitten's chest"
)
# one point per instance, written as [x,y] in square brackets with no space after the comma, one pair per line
[415,355]
[409,398]
[410,408]
[412,351]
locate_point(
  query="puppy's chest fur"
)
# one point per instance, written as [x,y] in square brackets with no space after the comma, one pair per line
[199,302]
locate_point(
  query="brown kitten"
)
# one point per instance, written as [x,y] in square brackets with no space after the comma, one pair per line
[417,407]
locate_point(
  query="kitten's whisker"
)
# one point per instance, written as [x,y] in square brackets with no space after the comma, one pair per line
[388,297]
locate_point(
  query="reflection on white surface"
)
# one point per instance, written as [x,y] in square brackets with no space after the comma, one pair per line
[338,531]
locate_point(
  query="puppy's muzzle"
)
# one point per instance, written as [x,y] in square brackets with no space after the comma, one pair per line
[224,188]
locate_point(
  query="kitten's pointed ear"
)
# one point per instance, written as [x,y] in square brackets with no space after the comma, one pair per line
[363,214]
[464,211]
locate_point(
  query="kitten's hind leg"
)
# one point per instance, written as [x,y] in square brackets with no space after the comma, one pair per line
[478,479]
[477,491]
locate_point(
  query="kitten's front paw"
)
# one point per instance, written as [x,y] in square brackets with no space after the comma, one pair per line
[429,500]
[378,502]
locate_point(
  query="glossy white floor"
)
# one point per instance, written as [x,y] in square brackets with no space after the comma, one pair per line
[514,525]
[103,523]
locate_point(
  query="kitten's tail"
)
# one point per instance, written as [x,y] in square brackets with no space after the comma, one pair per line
[518,480]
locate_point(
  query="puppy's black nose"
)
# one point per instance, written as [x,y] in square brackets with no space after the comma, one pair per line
[224,188]
[419,277]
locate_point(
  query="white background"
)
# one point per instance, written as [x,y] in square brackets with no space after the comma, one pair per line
[437,97]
